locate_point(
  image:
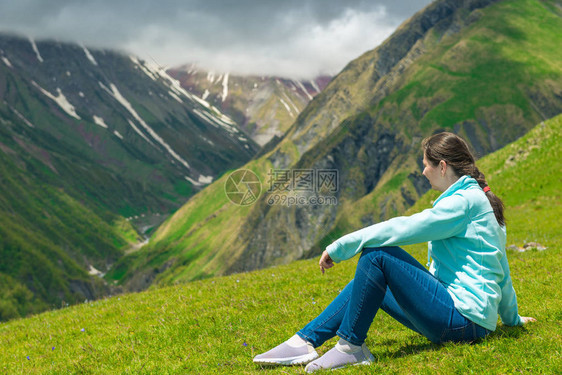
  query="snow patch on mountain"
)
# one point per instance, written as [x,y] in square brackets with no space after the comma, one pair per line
[125,103]
[225,87]
[175,96]
[100,122]
[89,56]
[207,140]
[223,121]
[313,83]
[21,117]
[287,107]
[7,62]
[36,50]
[299,83]
[139,132]
[95,272]
[291,102]
[60,99]
[143,68]
[202,180]
[117,134]
[205,94]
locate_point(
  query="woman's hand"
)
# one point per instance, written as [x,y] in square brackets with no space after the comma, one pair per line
[325,261]
[527,319]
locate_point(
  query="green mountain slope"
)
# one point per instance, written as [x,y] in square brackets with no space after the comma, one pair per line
[217,325]
[485,69]
[49,241]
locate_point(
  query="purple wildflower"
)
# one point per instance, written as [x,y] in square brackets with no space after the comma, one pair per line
[245,343]
[27,358]
[82,330]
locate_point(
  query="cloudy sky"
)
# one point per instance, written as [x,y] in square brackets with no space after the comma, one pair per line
[293,38]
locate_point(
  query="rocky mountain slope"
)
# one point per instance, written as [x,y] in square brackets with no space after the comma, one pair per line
[488,70]
[265,107]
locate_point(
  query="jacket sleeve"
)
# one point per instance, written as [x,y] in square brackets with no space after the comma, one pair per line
[448,218]
[508,304]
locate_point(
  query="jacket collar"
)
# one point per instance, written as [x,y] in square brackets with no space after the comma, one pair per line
[462,183]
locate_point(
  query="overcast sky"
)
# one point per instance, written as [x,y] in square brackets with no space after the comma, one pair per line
[292,38]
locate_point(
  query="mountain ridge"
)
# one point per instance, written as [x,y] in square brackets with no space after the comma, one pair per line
[264,107]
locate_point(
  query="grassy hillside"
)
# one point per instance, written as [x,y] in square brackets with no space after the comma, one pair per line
[217,325]
[45,261]
[489,73]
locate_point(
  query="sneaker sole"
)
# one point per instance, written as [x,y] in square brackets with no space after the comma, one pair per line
[366,362]
[299,360]
[308,370]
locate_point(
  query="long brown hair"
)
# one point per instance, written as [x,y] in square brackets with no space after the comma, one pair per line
[455,152]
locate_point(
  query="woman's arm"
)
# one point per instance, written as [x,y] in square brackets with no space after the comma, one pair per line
[448,218]
[508,308]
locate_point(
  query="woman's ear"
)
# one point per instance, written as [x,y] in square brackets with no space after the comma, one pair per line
[443,167]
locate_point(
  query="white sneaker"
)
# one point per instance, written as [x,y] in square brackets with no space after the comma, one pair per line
[287,355]
[335,359]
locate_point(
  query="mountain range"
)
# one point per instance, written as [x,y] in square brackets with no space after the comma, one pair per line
[94,146]
[264,107]
[487,70]
[97,148]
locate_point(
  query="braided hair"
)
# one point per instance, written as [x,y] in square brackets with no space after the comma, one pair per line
[455,152]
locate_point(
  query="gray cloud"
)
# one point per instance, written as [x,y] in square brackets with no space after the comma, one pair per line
[297,38]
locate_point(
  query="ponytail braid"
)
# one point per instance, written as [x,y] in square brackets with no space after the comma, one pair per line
[495,201]
[454,150]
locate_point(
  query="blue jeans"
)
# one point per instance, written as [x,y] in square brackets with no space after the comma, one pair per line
[391,279]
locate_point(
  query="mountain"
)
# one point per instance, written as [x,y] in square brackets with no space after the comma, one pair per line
[487,70]
[52,245]
[265,107]
[234,317]
[142,143]
[92,141]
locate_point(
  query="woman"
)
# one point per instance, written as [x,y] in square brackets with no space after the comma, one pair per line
[458,299]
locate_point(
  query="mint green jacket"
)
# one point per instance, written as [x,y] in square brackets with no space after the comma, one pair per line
[467,246]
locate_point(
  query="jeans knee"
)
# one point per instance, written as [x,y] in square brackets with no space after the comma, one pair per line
[370,256]
[375,252]
[376,255]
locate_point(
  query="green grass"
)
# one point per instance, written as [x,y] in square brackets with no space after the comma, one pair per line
[216,326]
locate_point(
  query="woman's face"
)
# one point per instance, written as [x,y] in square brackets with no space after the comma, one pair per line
[433,174]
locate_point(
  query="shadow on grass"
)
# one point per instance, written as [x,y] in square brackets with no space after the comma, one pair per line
[414,348]
[505,331]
